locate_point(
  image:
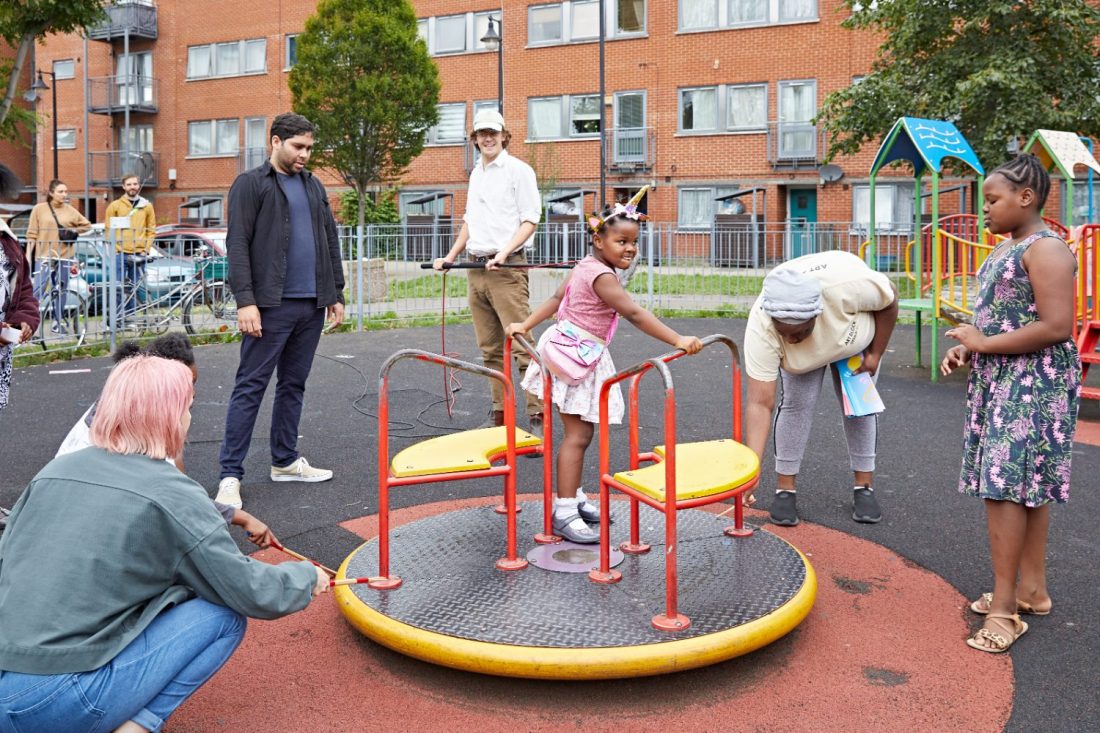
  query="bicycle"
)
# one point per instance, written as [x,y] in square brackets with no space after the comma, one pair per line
[201,303]
[72,327]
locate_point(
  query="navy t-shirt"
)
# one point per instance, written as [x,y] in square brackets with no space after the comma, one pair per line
[301,253]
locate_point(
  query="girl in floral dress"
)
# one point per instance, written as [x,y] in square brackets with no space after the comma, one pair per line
[1022,396]
[593,301]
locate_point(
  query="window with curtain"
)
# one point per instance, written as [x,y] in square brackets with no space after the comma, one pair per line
[212,137]
[255,56]
[585,115]
[227,136]
[544,119]
[140,139]
[585,21]
[228,59]
[66,138]
[748,11]
[451,127]
[450,34]
[422,29]
[747,107]
[893,206]
[200,62]
[64,69]
[696,207]
[695,14]
[544,24]
[199,138]
[797,10]
[698,109]
[629,16]
[797,101]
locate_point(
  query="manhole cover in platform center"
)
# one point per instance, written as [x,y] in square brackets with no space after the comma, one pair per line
[570,557]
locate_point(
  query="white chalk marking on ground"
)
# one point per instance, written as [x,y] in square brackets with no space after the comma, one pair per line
[69,371]
[343,356]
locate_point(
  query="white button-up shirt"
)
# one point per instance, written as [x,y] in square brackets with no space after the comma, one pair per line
[503,195]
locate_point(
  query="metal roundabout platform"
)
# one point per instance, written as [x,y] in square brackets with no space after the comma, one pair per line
[456,609]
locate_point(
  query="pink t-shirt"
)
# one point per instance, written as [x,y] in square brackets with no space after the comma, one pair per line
[582,306]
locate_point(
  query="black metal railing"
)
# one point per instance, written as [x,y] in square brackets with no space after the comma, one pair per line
[136,18]
[112,94]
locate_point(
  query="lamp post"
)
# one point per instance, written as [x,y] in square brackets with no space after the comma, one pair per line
[493,42]
[32,95]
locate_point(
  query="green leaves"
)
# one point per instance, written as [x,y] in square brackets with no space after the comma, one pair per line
[366,80]
[999,69]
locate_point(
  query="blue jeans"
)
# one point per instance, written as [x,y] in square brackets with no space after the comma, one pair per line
[130,270]
[145,683]
[291,332]
[57,273]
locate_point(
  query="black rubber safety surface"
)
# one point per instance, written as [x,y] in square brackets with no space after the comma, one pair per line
[452,587]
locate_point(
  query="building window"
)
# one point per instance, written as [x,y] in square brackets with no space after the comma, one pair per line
[551,118]
[290,57]
[747,107]
[66,138]
[481,27]
[213,137]
[422,29]
[451,127]
[893,207]
[797,109]
[139,141]
[579,20]
[64,69]
[207,210]
[450,34]
[699,110]
[435,206]
[486,104]
[724,108]
[697,206]
[544,24]
[713,14]
[228,59]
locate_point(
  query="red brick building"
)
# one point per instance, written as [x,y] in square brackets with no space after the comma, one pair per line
[704,98]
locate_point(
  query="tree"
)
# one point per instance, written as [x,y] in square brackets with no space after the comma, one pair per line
[22,22]
[998,69]
[380,210]
[364,77]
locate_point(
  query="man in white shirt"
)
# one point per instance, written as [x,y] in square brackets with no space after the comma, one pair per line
[814,311]
[502,210]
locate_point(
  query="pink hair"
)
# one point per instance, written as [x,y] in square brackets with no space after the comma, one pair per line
[142,406]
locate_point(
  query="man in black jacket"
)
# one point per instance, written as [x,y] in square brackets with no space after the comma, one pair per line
[285,270]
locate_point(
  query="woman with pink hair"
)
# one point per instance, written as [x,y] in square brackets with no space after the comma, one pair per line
[121,591]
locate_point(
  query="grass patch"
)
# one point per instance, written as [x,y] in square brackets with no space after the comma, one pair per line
[688,284]
[428,286]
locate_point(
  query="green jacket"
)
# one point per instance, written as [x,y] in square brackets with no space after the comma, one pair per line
[100,543]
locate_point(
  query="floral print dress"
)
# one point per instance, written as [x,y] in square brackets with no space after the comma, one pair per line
[1021,408]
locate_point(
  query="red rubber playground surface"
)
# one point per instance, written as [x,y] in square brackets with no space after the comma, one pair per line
[865,643]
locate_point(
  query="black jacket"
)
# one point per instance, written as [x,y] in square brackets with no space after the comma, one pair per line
[259,234]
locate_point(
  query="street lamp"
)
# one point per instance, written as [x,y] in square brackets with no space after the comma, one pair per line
[32,96]
[492,41]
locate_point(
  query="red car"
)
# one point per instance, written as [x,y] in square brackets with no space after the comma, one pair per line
[192,243]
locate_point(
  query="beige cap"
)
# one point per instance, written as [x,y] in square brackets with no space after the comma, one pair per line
[488,119]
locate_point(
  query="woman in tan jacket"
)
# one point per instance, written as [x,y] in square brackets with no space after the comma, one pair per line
[46,250]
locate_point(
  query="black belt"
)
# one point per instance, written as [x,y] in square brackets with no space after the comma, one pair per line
[486,258]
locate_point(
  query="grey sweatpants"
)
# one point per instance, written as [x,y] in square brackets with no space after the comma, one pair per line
[794,417]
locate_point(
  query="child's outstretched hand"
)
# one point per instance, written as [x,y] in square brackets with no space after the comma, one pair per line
[690,344]
[968,336]
[957,356]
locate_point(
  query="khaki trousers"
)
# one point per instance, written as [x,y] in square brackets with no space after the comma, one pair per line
[497,298]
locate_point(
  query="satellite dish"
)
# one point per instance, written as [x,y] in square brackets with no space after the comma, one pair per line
[830,173]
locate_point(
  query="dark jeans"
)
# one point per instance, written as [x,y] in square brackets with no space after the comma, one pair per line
[291,332]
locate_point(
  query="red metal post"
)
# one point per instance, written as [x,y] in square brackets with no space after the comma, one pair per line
[510,561]
[605,574]
[635,546]
[671,620]
[547,536]
[385,582]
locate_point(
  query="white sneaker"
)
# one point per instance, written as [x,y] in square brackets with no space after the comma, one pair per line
[229,492]
[300,470]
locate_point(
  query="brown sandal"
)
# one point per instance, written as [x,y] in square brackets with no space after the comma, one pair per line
[982,605]
[996,641]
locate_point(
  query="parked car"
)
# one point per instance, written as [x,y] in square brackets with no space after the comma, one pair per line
[163,273]
[192,243]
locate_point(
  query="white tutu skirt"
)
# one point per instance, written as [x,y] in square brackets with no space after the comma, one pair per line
[581,399]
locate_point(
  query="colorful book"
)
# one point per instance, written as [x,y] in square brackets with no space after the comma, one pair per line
[858,390]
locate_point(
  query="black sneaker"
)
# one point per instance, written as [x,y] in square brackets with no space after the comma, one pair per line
[784,510]
[866,506]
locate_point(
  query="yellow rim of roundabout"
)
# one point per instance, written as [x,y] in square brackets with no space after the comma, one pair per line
[594,663]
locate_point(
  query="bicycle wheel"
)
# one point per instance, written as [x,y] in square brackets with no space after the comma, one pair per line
[71,330]
[210,308]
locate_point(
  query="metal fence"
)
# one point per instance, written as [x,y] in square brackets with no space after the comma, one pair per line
[719,269]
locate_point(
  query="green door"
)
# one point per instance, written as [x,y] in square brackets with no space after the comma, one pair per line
[801,221]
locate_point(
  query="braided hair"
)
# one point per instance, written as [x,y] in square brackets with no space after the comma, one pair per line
[1027,171]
